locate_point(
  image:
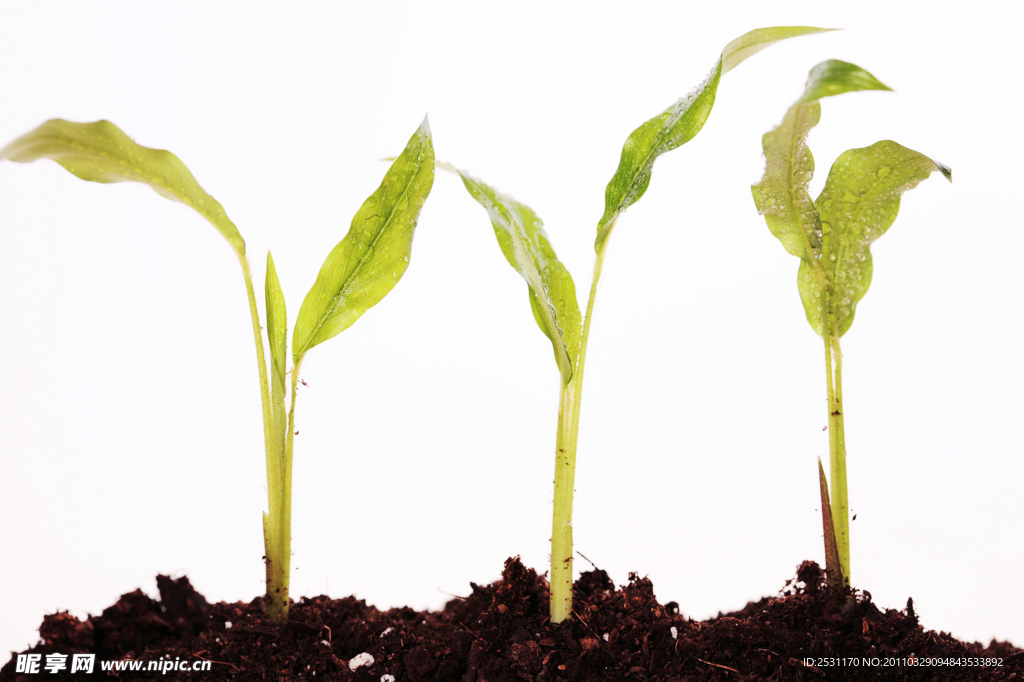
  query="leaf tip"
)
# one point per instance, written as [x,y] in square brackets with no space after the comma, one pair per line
[946,171]
[752,42]
[755,191]
[835,77]
[445,166]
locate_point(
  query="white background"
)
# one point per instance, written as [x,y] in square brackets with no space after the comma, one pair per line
[129,409]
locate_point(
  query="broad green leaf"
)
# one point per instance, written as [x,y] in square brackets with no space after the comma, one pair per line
[100,152]
[277,333]
[526,247]
[373,256]
[858,204]
[781,196]
[677,125]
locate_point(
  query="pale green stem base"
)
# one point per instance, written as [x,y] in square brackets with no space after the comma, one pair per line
[277,526]
[277,522]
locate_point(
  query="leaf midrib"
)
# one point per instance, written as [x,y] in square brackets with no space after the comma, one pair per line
[362,260]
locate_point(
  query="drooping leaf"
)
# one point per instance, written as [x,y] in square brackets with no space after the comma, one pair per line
[858,204]
[781,196]
[526,247]
[677,125]
[101,152]
[373,256]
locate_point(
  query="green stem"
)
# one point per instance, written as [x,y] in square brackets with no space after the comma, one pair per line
[285,529]
[279,533]
[261,363]
[277,582]
[837,450]
[565,468]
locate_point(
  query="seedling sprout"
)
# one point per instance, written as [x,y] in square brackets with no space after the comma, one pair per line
[832,236]
[526,247]
[364,266]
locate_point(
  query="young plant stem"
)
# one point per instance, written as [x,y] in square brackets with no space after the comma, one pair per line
[277,608]
[561,526]
[261,364]
[565,469]
[277,474]
[837,451]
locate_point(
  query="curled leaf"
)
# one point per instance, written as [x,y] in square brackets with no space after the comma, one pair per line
[781,196]
[677,125]
[526,247]
[858,204]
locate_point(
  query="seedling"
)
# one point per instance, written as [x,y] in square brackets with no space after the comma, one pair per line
[525,245]
[364,266]
[832,237]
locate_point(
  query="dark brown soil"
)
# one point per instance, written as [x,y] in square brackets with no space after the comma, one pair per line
[501,633]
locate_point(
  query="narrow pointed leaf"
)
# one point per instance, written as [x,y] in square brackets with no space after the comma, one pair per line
[677,125]
[526,247]
[277,333]
[781,196]
[858,204]
[374,255]
[834,570]
[101,152]
[277,321]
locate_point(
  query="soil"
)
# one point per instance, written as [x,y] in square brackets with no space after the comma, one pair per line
[501,633]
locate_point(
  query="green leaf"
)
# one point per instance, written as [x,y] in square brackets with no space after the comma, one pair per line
[277,333]
[277,464]
[277,321]
[781,196]
[526,247]
[752,42]
[834,77]
[100,152]
[677,125]
[373,256]
[858,204]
